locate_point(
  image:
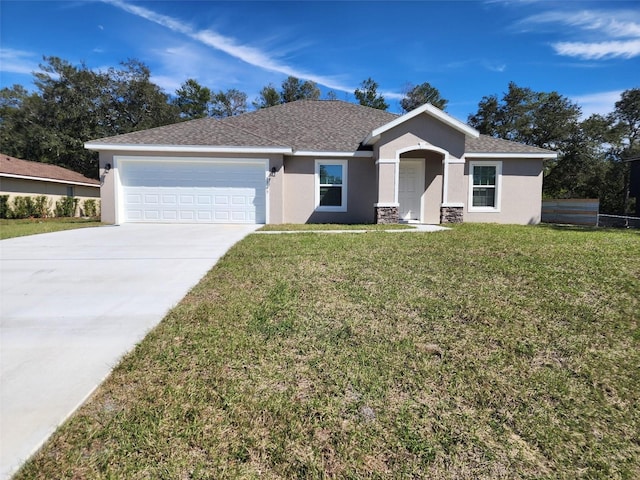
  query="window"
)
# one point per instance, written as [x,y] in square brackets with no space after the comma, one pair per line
[331,185]
[70,191]
[484,186]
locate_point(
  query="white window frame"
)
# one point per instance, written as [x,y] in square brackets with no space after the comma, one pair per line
[345,182]
[497,187]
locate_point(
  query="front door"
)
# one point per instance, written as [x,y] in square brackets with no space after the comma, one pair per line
[410,189]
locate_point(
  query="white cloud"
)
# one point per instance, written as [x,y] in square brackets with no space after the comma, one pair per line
[18,61]
[599,50]
[617,32]
[248,54]
[601,103]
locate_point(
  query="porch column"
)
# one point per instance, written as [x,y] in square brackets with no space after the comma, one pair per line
[452,186]
[387,206]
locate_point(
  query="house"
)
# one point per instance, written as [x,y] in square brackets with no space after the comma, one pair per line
[634,182]
[26,178]
[319,161]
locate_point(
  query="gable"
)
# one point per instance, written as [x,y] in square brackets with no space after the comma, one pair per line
[421,129]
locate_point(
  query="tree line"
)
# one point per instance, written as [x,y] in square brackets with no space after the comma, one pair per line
[73,104]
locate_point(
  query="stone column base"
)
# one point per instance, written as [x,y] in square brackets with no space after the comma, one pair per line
[386,215]
[451,214]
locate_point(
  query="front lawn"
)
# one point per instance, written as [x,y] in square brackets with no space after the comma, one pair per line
[314,227]
[480,352]
[33,226]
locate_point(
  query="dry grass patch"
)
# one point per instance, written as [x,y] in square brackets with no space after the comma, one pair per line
[483,352]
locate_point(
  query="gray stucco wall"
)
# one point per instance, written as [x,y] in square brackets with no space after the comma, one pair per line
[299,191]
[521,201]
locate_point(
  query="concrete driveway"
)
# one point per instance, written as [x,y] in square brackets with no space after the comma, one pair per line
[73,302]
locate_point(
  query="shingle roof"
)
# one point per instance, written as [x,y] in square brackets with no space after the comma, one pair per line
[204,131]
[318,125]
[25,168]
[487,144]
[304,125]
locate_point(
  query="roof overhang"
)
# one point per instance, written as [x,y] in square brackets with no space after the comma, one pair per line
[51,180]
[317,153]
[535,155]
[428,109]
[119,147]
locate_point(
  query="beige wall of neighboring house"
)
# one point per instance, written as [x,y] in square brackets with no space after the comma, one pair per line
[21,187]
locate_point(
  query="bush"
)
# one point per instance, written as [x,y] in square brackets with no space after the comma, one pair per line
[23,207]
[5,210]
[41,207]
[90,207]
[66,207]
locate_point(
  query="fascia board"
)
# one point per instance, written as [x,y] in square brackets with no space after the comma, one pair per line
[315,153]
[52,180]
[429,109]
[488,155]
[183,148]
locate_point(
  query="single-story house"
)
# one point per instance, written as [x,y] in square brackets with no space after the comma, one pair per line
[634,182]
[319,161]
[24,178]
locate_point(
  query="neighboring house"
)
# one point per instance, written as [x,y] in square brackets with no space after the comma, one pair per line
[25,178]
[634,182]
[321,161]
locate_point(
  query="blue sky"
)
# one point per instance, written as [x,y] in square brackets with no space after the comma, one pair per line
[586,50]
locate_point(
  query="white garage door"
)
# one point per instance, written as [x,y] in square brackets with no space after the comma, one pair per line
[193,192]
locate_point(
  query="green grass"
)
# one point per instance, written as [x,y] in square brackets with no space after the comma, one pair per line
[481,352]
[33,226]
[306,227]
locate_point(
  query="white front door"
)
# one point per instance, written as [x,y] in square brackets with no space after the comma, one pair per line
[410,189]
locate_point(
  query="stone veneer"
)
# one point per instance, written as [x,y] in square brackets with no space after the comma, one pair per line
[451,214]
[386,215]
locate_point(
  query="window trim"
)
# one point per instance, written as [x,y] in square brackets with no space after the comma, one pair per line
[497,187]
[345,182]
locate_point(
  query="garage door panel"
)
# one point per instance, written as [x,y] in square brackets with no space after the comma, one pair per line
[193,192]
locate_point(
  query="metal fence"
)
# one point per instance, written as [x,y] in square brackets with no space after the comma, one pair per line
[571,211]
[583,212]
[618,221]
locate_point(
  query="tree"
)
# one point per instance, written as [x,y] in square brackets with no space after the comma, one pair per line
[627,116]
[136,102]
[416,96]
[546,120]
[293,89]
[75,104]
[193,100]
[331,95]
[368,96]
[268,97]
[229,103]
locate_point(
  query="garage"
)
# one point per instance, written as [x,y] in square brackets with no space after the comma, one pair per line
[192,191]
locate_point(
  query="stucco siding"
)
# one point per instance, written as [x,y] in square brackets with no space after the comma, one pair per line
[20,187]
[432,198]
[386,179]
[457,189]
[300,194]
[110,189]
[421,129]
[521,193]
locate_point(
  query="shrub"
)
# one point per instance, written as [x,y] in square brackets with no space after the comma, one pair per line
[23,207]
[90,207]
[41,207]
[5,210]
[66,207]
